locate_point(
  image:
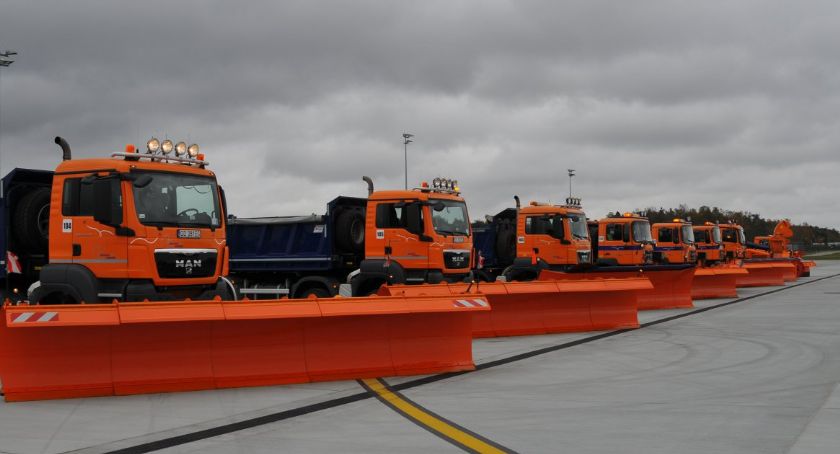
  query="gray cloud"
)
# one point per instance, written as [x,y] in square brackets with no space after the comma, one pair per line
[655,103]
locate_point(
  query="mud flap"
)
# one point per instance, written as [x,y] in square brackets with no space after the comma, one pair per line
[49,352]
[540,307]
[716,282]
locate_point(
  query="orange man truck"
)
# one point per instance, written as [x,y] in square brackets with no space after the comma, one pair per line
[734,241]
[131,227]
[674,242]
[396,237]
[622,239]
[520,242]
[709,244]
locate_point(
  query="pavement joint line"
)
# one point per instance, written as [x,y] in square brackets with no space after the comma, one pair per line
[443,428]
[337,402]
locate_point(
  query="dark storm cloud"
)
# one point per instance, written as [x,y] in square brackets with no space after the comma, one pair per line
[656,103]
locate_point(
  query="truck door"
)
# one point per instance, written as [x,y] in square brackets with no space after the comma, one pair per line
[399,226]
[543,236]
[92,209]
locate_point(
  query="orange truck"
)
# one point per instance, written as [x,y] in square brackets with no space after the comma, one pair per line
[131,227]
[674,242]
[412,236]
[734,241]
[709,244]
[520,242]
[622,239]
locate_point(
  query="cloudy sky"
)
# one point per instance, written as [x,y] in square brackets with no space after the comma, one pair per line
[655,103]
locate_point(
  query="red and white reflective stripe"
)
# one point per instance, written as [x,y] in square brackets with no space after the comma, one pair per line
[36,317]
[12,263]
[471,303]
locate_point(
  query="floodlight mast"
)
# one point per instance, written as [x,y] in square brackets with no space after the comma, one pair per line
[406,140]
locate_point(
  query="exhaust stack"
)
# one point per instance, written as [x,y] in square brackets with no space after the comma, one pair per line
[369,183]
[65,148]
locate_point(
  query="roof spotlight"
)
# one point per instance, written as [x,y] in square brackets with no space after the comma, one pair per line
[153,145]
[166,146]
[436,183]
[180,149]
[193,150]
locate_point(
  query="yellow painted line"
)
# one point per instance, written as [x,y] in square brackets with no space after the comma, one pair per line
[432,422]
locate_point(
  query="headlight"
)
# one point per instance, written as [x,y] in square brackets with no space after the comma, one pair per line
[180,149]
[167,146]
[193,150]
[153,145]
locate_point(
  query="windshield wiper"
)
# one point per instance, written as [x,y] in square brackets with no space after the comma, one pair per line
[450,232]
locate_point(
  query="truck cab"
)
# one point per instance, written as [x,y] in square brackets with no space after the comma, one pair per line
[734,241]
[707,240]
[133,227]
[623,239]
[674,242]
[519,242]
[415,236]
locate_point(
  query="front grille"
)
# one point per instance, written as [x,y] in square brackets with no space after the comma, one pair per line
[456,259]
[584,257]
[171,264]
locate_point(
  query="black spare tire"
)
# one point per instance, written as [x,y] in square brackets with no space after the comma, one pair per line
[31,222]
[350,231]
[506,243]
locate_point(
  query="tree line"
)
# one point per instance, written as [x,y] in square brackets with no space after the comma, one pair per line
[805,235]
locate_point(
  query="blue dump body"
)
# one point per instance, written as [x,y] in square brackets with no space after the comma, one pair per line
[290,243]
[484,242]
[288,249]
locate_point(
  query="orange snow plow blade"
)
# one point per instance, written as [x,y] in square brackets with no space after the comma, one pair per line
[718,282]
[544,306]
[761,274]
[49,352]
[671,284]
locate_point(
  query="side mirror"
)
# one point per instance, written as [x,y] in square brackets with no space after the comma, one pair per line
[107,198]
[142,181]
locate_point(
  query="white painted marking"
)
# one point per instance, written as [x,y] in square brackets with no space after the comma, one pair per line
[24,316]
[47,316]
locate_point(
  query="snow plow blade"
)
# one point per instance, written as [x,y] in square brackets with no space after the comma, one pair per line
[544,306]
[717,282]
[671,284]
[803,267]
[761,274]
[49,352]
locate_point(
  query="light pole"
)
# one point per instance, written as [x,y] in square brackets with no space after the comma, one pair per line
[571,174]
[5,60]
[406,140]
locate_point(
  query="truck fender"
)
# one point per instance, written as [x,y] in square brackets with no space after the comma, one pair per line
[69,279]
[523,270]
[327,283]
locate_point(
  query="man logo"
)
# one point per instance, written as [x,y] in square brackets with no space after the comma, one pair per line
[188,265]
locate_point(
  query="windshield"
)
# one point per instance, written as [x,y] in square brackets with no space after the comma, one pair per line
[452,219]
[176,199]
[579,229]
[641,232]
[730,235]
[701,236]
[716,234]
[687,234]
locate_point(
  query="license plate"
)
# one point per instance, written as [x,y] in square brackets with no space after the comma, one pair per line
[189,233]
[459,239]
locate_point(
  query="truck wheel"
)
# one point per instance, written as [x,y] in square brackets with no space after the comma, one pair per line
[31,223]
[350,231]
